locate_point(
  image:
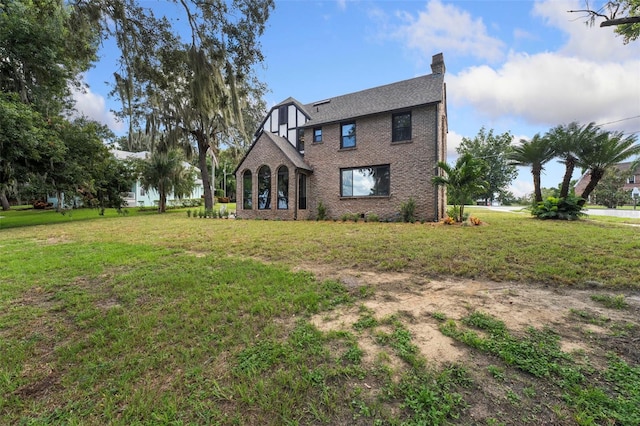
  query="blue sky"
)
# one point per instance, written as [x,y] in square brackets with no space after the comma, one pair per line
[518,66]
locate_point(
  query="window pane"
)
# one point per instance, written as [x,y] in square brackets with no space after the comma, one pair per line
[300,141]
[381,181]
[302,192]
[317,135]
[283,115]
[366,181]
[283,188]
[362,181]
[401,127]
[247,202]
[264,188]
[348,135]
[347,183]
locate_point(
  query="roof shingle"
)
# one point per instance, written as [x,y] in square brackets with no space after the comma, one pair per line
[395,96]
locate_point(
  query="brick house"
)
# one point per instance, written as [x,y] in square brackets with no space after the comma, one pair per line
[361,153]
[632,181]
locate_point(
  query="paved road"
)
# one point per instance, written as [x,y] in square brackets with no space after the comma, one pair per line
[635,214]
[614,212]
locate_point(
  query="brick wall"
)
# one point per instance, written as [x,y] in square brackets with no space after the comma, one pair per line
[265,152]
[412,165]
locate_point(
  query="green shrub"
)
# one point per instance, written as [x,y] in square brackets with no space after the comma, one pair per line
[454,213]
[372,217]
[407,210]
[559,208]
[322,211]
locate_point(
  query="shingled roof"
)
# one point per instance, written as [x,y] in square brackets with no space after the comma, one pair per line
[288,150]
[422,90]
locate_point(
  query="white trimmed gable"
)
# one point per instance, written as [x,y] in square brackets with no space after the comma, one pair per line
[286,120]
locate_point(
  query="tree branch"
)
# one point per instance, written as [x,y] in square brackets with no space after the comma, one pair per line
[593,13]
[620,21]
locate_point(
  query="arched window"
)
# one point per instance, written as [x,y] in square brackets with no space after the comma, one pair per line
[264,188]
[283,188]
[247,191]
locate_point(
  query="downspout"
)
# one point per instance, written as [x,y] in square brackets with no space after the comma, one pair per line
[436,189]
[296,185]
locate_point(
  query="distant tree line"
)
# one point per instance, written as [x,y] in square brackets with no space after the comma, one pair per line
[192,96]
[487,165]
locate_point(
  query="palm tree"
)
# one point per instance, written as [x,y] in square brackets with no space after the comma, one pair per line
[566,140]
[464,181]
[606,150]
[166,173]
[535,153]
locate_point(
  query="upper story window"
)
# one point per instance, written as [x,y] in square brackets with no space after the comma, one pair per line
[632,179]
[365,181]
[283,115]
[317,134]
[300,141]
[401,127]
[348,135]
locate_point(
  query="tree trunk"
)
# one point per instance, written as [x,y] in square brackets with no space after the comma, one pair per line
[59,206]
[4,201]
[570,164]
[596,175]
[203,146]
[536,186]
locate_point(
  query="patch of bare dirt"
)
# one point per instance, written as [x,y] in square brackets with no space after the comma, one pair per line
[586,328]
[520,306]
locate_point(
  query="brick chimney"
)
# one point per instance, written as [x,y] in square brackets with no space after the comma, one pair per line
[437,64]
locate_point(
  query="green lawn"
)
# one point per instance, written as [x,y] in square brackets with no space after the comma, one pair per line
[28,216]
[170,319]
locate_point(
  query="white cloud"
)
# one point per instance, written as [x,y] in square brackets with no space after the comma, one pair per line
[521,187]
[587,42]
[453,142]
[550,89]
[93,106]
[590,76]
[447,28]
[342,4]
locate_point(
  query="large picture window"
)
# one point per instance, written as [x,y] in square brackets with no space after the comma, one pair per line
[283,188]
[264,188]
[365,181]
[401,127]
[247,191]
[348,135]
